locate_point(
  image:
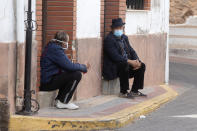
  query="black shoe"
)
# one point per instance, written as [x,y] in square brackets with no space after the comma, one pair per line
[138,94]
[126,95]
[130,96]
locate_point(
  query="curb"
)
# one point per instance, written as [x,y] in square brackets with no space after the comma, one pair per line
[116,120]
[192,53]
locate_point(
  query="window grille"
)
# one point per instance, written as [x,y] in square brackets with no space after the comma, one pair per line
[135,4]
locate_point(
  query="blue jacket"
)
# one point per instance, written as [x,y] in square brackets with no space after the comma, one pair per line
[114,54]
[54,61]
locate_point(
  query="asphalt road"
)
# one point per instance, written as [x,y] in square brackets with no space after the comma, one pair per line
[179,114]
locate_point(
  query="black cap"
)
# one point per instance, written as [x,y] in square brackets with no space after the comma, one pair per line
[117,23]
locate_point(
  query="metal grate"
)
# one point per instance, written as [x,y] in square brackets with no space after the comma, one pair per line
[135,4]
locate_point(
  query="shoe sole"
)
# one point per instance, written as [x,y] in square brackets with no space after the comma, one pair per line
[139,96]
[67,108]
[127,97]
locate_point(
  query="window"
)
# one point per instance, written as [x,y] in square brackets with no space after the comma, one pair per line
[138,4]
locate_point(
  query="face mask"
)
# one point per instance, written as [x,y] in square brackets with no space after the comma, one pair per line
[65,43]
[118,33]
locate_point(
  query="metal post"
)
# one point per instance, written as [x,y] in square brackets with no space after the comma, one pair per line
[28,54]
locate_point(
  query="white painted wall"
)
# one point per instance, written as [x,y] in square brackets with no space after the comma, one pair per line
[88,18]
[20,27]
[7,21]
[144,22]
[12,16]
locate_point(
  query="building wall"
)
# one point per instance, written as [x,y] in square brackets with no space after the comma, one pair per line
[88,46]
[39,36]
[88,18]
[7,63]
[150,21]
[7,19]
[152,51]
[148,33]
[113,9]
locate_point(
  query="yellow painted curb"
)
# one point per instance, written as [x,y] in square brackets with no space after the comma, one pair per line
[116,120]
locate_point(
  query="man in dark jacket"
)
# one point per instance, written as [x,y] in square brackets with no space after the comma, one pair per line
[58,72]
[121,60]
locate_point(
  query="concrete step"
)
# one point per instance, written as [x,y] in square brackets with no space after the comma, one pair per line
[47,99]
[111,87]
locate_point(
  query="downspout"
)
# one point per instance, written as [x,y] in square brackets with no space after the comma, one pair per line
[167,10]
[20,38]
[105,1]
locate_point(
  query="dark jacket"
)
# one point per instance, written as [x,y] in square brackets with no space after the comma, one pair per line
[54,61]
[113,55]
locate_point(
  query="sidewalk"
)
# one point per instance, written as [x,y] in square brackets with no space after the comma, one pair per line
[102,112]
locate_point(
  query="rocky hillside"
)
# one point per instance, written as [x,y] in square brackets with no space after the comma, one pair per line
[180,10]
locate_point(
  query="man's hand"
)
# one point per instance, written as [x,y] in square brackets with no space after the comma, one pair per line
[136,64]
[87,66]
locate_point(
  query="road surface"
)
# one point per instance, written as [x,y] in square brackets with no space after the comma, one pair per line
[179,114]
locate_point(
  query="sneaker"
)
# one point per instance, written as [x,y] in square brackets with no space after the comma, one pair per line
[69,106]
[126,95]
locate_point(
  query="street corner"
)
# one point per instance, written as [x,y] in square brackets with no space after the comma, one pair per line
[119,118]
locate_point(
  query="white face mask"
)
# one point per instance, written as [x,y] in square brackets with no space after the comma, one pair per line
[65,43]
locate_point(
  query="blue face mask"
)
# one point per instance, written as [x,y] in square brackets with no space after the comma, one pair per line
[118,33]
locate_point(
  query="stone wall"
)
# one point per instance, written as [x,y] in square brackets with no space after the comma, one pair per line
[180,10]
[4,114]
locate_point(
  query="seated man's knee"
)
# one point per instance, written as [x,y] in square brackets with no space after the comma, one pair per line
[77,75]
[143,66]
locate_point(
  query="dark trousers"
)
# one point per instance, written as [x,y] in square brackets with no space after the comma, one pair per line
[125,72]
[66,83]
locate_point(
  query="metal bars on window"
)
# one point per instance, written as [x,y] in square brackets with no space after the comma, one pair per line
[135,4]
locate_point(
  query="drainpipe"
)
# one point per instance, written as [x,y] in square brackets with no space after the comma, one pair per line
[20,37]
[167,10]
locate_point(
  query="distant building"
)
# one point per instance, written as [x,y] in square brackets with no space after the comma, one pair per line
[87,22]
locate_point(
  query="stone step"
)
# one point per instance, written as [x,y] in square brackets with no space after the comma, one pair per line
[46,99]
[111,87]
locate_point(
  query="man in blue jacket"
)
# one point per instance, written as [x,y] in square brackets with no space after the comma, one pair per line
[121,60]
[58,72]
